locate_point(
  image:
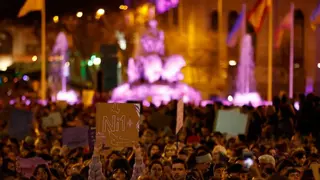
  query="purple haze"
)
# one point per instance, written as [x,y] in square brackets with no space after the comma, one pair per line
[165,5]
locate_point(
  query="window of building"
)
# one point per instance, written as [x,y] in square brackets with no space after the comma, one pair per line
[214,20]
[299,37]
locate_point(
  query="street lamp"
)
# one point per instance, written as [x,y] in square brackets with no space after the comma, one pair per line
[34,58]
[123,7]
[232,63]
[79,14]
[100,12]
[56,19]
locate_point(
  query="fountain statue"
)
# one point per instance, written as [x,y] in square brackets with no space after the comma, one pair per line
[246,85]
[153,75]
[60,66]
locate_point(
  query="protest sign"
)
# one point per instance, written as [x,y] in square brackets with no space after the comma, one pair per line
[119,123]
[75,137]
[180,109]
[53,120]
[20,123]
[26,166]
[231,122]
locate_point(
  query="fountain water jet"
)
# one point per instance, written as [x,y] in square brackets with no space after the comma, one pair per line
[246,85]
[62,67]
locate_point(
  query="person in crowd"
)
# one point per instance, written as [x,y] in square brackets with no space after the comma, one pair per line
[179,169]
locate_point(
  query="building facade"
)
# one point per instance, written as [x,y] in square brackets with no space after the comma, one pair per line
[18,43]
[193,30]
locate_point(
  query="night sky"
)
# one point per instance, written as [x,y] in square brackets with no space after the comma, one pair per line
[10,8]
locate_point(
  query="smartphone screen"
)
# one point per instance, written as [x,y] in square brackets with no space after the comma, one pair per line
[248,163]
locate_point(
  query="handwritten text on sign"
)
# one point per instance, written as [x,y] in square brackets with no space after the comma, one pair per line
[119,123]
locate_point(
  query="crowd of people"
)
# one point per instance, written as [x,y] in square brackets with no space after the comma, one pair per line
[281,142]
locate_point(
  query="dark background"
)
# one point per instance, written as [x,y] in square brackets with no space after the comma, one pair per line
[10,8]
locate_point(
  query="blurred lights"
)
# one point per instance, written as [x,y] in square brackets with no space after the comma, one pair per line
[97,61]
[232,63]
[318,65]
[56,19]
[100,13]
[5,79]
[296,65]
[230,98]
[123,7]
[90,63]
[34,58]
[25,78]
[79,14]
[5,62]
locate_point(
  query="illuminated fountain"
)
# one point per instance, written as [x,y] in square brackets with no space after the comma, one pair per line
[246,85]
[153,76]
[59,71]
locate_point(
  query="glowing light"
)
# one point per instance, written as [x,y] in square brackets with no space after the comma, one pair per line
[90,63]
[121,40]
[123,7]
[230,98]
[296,105]
[165,5]
[97,61]
[100,13]
[34,58]
[5,62]
[69,96]
[28,102]
[56,19]
[160,93]
[252,98]
[143,10]
[79,14]
[25,78]
[318,65]
[232,63]
[67,64]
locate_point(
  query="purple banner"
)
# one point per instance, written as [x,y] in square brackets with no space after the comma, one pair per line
[75,137]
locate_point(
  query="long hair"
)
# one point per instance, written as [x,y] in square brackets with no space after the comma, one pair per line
[46,169]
